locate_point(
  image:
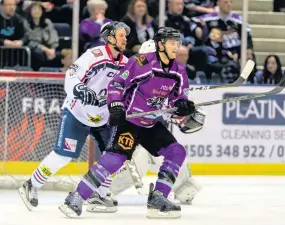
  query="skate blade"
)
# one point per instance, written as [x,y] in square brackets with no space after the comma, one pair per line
[95,208]
[156,214]
[68,212]
[22,194]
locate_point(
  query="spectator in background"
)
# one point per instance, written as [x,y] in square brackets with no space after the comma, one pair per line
[272,71]
[222,32]
[89,29]
[182,57]
[117,9]
[42,37]
[58,11]
[66,59]
[199,7]
[12,32]
[141,24]
[153,8]
[229,25]
[175,18]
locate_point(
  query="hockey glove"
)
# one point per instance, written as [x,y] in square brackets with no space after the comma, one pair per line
[85,94]
[194,122]
[117,113]
[184,107]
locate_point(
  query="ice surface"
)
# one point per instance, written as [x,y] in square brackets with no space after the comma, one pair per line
[222,201]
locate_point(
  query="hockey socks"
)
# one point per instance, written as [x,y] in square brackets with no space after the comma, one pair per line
[174,156]
[108,164]
[105,186]
[47,168]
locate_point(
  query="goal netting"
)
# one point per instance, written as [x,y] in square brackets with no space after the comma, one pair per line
[30,109]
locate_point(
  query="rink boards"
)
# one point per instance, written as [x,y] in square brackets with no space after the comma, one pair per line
[239,138]
[26,168]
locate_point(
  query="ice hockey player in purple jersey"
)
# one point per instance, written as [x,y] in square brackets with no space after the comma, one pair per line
[143,86]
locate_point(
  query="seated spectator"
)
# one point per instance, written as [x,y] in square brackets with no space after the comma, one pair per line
[117,9]
[89,29]
[222,32]
[153,8]
[11,25]
[66,59]
[182,57]
[58,11]
[175,18]
[200,7]
[42,37]
[141,24]
[272,71]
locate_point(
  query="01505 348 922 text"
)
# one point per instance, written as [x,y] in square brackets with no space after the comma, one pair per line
[235,151]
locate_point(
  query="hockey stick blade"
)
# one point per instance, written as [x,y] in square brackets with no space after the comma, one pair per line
[137,180]
[241,79]
[274,91]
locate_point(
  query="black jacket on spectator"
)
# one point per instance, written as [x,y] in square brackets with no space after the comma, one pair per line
[180,22]
[11,29]
[204,3]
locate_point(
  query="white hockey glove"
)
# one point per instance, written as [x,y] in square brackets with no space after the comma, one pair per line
[189,124]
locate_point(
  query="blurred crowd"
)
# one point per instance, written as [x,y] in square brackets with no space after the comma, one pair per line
[210,34]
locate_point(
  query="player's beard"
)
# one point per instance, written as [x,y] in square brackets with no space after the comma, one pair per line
[121,48]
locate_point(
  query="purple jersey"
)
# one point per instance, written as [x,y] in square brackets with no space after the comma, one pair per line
[143,86]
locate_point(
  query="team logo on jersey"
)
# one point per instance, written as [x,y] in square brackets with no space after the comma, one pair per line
[142,60]
[70,145]
[155,102]
[125,75]
[95,119]
[97,52]
[46,171]
[126,141]
[72,69]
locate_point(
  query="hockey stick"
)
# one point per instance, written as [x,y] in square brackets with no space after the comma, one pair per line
[274,91]
[241,79]
[137,180]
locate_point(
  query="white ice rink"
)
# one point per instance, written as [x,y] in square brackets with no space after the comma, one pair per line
[222,201]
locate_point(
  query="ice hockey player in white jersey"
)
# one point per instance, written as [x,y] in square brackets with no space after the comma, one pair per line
[84,111]
[185,187]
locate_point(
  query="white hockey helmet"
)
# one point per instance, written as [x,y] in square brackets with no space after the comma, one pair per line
[147,47]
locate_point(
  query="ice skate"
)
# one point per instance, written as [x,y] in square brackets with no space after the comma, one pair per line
[159,207]
[29,194]
[72,206]
[98,204]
